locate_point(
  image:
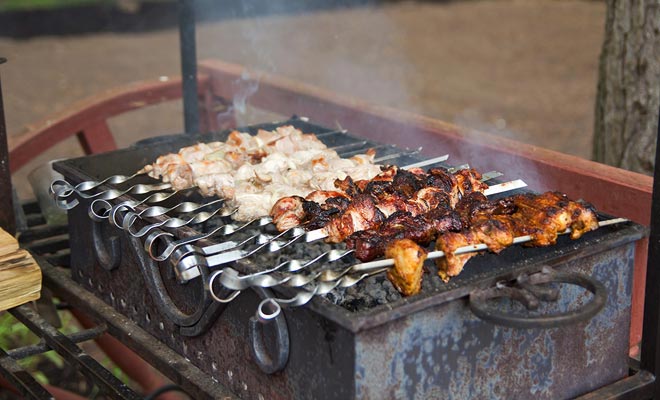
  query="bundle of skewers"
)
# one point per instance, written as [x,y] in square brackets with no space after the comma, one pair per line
[400,212]
[376,210]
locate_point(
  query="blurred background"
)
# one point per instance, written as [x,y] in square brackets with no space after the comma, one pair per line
[522,69]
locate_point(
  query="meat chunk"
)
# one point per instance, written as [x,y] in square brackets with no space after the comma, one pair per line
[361,214]
[288,212]
[409,257]
[542,217]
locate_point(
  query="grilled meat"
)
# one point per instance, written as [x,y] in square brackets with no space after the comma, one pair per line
[253,172]
[542,217]
[422,229]
[361,214]
[288,212]
[409,257]
[428,195]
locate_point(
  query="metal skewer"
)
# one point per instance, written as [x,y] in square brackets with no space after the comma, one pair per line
[186,261]
[131,217]
[330,279]
[63,191]
[311,236]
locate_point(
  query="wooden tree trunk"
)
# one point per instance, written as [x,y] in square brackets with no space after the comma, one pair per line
[628,97]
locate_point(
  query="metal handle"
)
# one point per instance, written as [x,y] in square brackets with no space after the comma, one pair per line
[106,244]
[269,314]
[526,291]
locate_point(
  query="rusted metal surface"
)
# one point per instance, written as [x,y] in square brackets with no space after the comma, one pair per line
[651,340]
[446,352]
[634,387]
[196,383]
[613,190]
[328,360]
[409,347]
[20,379]
[70,352]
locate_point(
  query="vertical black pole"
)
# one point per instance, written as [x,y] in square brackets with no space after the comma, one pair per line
[650,354]
[7,219]
[188,65]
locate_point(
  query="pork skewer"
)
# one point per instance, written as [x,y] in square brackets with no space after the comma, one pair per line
[219,254]
[210,166]
[493,225]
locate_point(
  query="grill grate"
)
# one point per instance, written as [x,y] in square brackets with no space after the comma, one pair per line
[158,216]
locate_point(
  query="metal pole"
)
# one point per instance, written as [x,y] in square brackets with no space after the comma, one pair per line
[650,352]
[7,218]
[188,65]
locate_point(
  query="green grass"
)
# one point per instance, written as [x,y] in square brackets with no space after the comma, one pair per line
[27,5]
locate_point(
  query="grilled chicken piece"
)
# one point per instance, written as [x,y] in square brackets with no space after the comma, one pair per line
[321,196]
[314,211]
[360,215]
[288,212]
[469,180]
[458,184]
[452,264]
[543,217]
[422,229]
[584,218]
[409,257]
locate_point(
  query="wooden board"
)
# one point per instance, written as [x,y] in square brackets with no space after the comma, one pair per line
[20,276]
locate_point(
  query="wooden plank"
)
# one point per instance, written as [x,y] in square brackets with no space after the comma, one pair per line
[20,276]
[8,243]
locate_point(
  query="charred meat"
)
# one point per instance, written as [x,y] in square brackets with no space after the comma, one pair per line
[543,217]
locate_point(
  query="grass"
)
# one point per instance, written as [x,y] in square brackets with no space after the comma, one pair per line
[28,5]
[32,5]
[14,334]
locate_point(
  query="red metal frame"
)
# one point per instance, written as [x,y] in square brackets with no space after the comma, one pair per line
[88,119]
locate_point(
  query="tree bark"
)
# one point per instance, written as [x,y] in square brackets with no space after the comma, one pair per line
[628,96]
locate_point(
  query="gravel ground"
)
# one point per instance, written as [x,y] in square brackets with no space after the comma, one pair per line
[521,69]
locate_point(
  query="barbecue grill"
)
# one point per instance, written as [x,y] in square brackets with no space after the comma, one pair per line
[433,344]
[365,341]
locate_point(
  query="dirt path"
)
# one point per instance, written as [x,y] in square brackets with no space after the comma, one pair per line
[522,69]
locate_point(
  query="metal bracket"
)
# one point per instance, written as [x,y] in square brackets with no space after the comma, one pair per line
[107,247]
[155,285]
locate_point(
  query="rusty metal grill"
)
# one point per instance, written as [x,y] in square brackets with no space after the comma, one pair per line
[182,312]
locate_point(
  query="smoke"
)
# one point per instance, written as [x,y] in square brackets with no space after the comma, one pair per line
[243,88]
[362,52]
[472,121]
[356,51]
